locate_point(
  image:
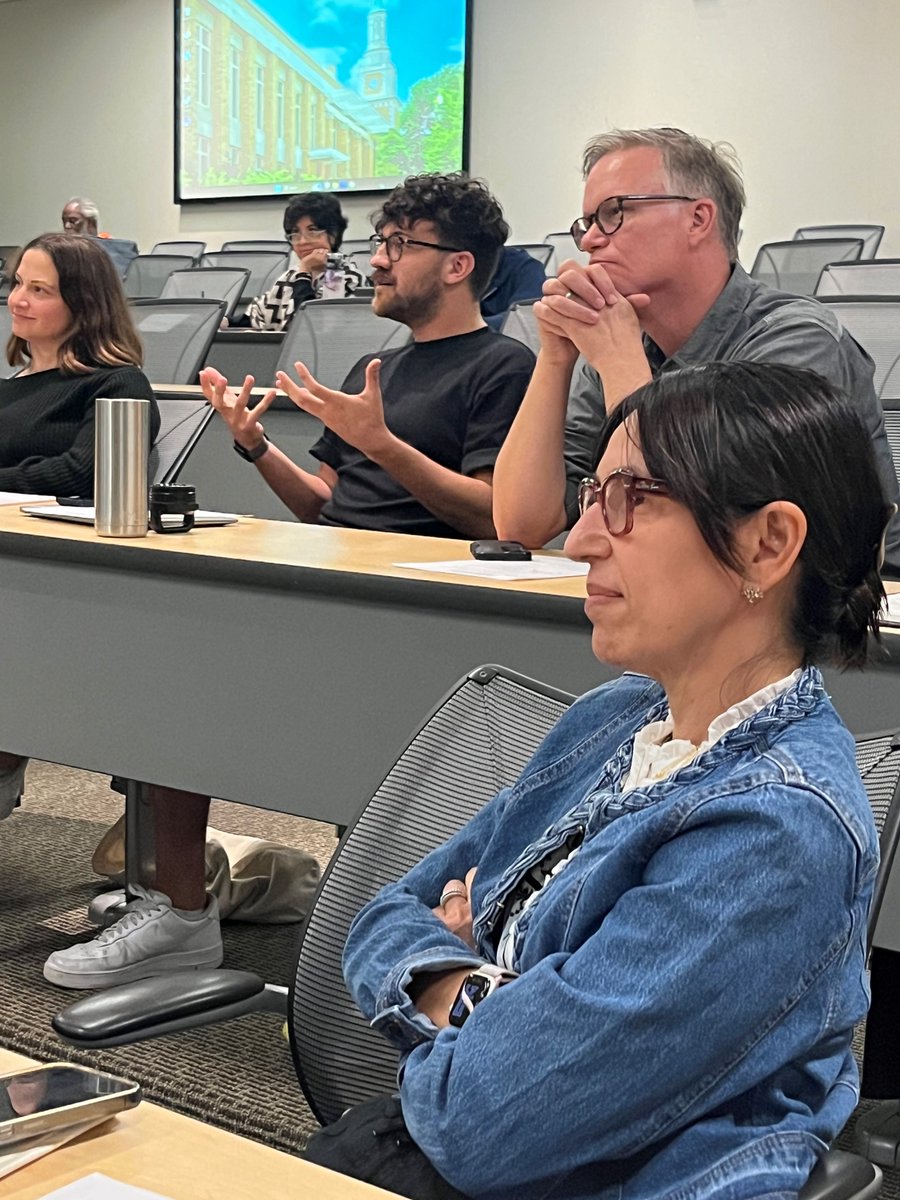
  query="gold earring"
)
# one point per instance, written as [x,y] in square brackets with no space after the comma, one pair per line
[751,593]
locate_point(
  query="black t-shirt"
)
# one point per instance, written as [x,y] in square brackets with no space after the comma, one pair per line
[453,399]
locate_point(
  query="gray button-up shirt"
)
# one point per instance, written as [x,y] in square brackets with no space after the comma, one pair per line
[753,323]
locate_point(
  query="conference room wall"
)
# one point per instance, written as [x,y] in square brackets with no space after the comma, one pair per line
[804,91]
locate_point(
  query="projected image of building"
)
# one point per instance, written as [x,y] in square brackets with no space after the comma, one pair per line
[258,109]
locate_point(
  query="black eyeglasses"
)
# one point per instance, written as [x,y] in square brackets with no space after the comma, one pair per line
[618,494]
[395,242]
[610,214]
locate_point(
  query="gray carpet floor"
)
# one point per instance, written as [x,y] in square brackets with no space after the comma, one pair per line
[240,1075]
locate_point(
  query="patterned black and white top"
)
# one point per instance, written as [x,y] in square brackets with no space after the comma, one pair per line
[273,309]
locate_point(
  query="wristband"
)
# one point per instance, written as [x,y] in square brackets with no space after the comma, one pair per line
[477,986]
[251,455]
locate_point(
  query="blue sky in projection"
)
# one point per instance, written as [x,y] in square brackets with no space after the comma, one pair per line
[423,35]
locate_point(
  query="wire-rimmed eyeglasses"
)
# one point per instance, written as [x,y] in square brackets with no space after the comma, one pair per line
[618,494]
[394,244]
[610,214]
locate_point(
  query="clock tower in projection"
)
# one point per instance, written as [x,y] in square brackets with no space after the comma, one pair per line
[375,77]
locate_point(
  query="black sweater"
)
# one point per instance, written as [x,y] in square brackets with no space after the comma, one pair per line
[47,427]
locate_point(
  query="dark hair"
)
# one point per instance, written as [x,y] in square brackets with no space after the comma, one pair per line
[102,333]
[322,209]
[732,437]
[463,212]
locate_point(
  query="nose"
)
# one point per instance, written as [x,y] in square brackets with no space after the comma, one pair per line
[588,538]
[380,258]
[594,238]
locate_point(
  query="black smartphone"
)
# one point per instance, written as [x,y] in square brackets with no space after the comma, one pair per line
[75,501]
[487,548]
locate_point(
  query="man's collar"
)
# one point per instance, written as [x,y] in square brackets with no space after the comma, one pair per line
[712,330]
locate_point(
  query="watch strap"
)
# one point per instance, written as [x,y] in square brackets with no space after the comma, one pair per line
[252,455]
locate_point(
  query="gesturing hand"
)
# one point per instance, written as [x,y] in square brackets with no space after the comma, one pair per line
[243,422]
[456,910]
[358,419]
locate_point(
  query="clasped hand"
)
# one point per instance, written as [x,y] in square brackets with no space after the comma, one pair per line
[456,911]
[582,311]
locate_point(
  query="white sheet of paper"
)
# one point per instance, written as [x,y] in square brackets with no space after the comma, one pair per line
[101,1187]
[536,568]
[21,498]
[23,1153]
[891,610]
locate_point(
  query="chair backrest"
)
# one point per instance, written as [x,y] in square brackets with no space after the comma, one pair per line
[520,323]
[176,335]
[871,235]
[563,248]
[476,742]
[147,273]
[120,250]
[216,283]
[869,277]
[874,321]
[279,245]
[329,336]
[541,251]
[264,266]
[796,266]
[181,422]
[5,330]
[878,759]
[194,249]
[361,259]
[356,246]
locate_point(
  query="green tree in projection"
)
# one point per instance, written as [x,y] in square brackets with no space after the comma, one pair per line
[428,134]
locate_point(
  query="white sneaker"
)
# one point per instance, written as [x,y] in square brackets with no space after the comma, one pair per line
[150,939]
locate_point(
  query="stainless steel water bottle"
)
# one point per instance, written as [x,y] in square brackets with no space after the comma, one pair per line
[121,450]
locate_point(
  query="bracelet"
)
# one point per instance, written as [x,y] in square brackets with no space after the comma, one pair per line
[252,455]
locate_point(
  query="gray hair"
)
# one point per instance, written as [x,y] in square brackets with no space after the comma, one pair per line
[88,208]
[692,165]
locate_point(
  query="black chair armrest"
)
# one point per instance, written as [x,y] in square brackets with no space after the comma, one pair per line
[165,1004]
[842,1176]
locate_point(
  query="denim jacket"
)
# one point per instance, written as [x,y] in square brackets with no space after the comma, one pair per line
[688,982]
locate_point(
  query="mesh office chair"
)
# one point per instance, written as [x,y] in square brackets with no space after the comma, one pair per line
[273,245]
[361,259]
[474,742]
[181,424]
[871,235]
[874,322]
[329,336]
[873,277]
[520,323]
[194,249]
[264,266]
[213,283]
[147,273]
[5,331]
[176,335]
[796,266]
[563,248]
[540,251]
[120,250]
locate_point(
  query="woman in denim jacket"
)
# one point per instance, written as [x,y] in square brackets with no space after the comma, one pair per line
[635,973]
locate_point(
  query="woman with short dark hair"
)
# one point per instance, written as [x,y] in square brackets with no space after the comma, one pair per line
[635,974]
[314,226]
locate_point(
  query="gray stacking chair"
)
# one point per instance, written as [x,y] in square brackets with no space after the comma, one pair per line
[874,322]
[194,249]
[264,266]
[540,251]
[214,283]
[519,323]
[120,250]
[5,330]
[869,277]
[146,274]
[871,235]
[273,245]
[329,336]
[796,266]
[176,335]
[181,424]
[476,741]
[563,248]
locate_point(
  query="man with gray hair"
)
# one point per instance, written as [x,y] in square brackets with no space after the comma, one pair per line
[663,290]
[80,215]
